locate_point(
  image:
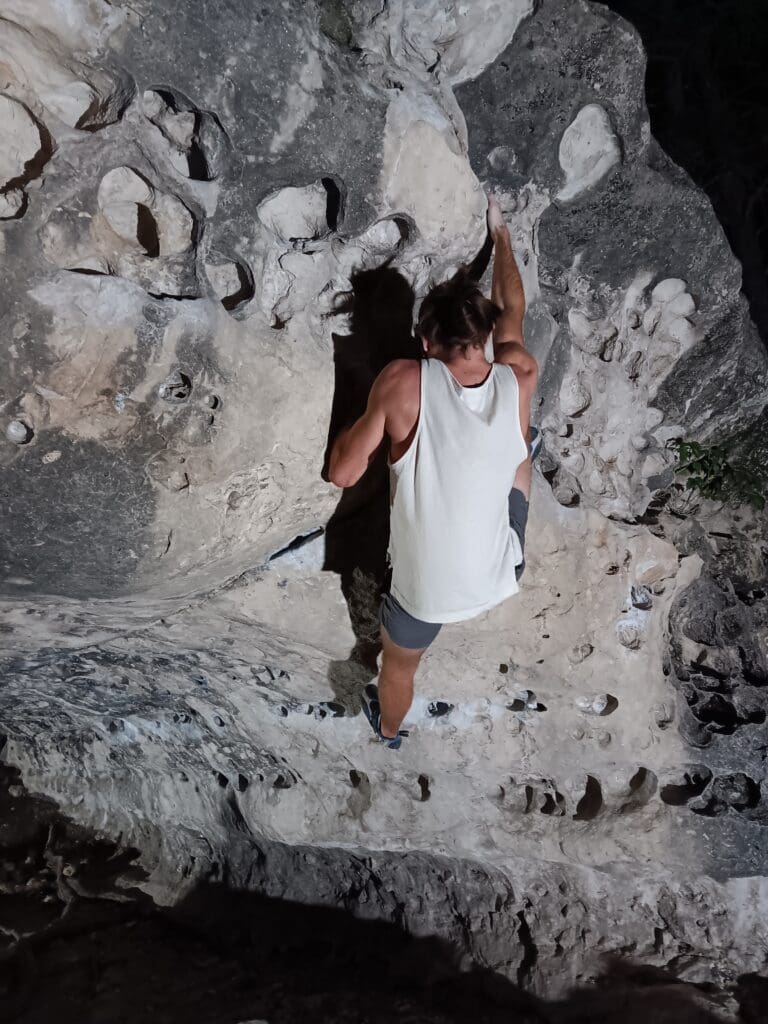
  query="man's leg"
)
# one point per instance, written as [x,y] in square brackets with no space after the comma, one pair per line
[404,639]
[519,497]
[398,667]
[522,481]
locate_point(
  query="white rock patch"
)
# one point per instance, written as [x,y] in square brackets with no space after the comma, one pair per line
[20,140]
[588,150]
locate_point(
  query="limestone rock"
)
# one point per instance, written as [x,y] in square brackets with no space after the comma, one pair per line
[211,276]
[38,54]
[21,141]
[11,203]
[588,151]
[18,432]
[297,213]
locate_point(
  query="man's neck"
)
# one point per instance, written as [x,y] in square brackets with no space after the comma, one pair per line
[468,368]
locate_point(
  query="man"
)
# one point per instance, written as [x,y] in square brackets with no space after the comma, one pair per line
[460,468]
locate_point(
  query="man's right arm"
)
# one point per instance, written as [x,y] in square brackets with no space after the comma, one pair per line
[508,294]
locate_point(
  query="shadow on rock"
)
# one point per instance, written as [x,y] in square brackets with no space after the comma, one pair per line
[380,309]
[79,941]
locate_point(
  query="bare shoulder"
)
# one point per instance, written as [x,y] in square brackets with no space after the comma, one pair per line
[523,364]
[400,370]
[399,380]
[398,396]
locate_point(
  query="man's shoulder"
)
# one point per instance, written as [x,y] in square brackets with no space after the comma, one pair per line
[400,375]
[398,395]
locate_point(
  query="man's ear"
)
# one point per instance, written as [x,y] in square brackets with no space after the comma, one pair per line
[424,342]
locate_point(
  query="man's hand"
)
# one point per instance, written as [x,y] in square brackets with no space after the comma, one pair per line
[495,216]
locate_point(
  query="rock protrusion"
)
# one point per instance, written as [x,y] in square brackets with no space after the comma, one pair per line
[301,213]
[588,151]
[613,451]
[24,150]
[19,432]
[196,142]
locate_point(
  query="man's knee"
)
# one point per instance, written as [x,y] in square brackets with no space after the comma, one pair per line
[399,660]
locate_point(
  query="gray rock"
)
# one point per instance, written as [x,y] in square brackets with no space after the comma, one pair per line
[259,226]
[18,432]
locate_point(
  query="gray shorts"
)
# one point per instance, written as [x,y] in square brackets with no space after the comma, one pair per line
[407,631]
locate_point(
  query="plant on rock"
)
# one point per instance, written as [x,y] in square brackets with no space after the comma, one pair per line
[719,474]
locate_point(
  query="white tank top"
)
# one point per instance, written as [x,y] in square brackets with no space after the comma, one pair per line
[452,550]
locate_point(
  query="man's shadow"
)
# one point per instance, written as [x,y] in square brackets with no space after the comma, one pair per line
[380,310]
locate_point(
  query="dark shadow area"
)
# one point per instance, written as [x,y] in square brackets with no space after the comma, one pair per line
[380,310]
[147,232]
[335,204]
[72,526]
[81,944]
[246,288]
[707,95]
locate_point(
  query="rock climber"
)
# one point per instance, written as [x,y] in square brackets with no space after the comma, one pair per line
[460,455]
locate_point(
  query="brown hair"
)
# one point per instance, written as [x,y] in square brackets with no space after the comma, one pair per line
[456,313]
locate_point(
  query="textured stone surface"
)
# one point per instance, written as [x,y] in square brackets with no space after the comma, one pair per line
[193,290]
[71,908]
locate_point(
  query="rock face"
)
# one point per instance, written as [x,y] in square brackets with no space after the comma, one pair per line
[213,239]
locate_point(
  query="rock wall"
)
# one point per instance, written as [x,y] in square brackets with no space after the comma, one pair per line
[214,235]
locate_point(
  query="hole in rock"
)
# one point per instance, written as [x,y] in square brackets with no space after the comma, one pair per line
[642,786]
[147,231]
[695,781]
[222,780]
[199,162]
[530,950]
[404,227]
[333,708]
[196,159]
[554,804]
[717,713]
[334,210]
[591,803]
[357,778]
[439,708]
[242,783]
[737,791]
[607,705]
[244,293]
[423,781]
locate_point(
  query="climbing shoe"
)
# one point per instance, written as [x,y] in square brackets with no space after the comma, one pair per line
[535,444]
[372,711]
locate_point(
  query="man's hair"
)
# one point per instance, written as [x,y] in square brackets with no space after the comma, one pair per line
[456,314]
